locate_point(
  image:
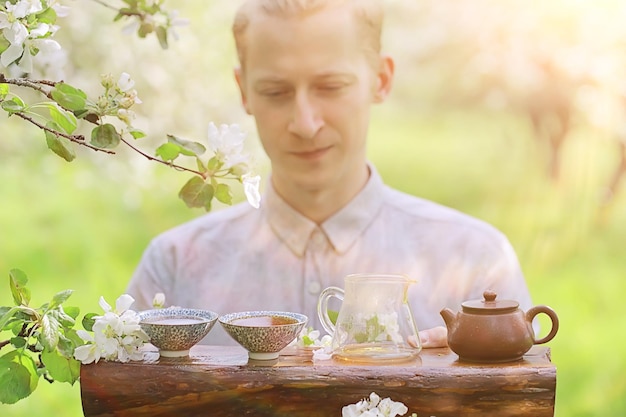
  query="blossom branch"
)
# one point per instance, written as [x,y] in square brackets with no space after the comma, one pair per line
[33,84]
[102,3]
[169,164]
[80,139]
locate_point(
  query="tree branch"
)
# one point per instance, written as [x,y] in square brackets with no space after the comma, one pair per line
[80,139]
[33,84]
[169,164]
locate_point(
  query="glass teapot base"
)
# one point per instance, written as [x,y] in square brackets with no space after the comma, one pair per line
[375,353]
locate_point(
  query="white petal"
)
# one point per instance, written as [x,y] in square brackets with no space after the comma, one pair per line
[47,45]
[35,6]
[16,33]
[85,335]
[125,83]
[131,28]
[26,63]
[62,11]
[4,20]
[214,137]
[11,54]
[123,303]
[104,305]
[251,189]
[40,30]
[87,354]
[159,300]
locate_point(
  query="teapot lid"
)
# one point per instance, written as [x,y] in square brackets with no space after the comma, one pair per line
[489,304]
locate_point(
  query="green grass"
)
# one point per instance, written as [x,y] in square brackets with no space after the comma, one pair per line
[84,226]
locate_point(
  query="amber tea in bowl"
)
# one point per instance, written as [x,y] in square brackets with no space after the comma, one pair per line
[263,333]
[175,330]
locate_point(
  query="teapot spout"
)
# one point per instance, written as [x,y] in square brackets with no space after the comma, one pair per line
[449,317]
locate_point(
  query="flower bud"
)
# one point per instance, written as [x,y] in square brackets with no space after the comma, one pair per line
[107,81]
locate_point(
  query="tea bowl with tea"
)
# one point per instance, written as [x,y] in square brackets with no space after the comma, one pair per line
[263,333]
[175,330]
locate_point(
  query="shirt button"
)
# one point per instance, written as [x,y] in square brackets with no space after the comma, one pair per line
[314,287]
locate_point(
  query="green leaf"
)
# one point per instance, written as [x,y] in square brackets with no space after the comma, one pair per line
[72,311]
[4,44]
[161,33]
[49,336]
[18,280]
[187,147]
[49,15]
[61,369]
[145,29]
[222,193]
[70,337]
[105,136]
[18,377]
[18,342]
[168,151]
[88,321]
[16,326]
[6,314]
[60,145]
[15,105]
[137,134]
[15,382]
[197,193]
[201,166]
[214,164]
[63,318]
[69,97]
[63,118]
[59,298]
[4,91]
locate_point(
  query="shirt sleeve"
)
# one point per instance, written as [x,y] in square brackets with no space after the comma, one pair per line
[150,276]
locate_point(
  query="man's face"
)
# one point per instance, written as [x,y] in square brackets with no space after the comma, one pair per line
[309,85]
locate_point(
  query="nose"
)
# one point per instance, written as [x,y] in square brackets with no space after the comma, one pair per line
[306,120]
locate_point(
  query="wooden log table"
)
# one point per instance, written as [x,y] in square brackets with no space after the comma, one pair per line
[220,381]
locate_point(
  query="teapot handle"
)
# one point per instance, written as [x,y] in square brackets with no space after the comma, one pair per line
[530,315]
[322,307]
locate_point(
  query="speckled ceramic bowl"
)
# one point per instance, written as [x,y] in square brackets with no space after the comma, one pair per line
[263,333]
[175,330]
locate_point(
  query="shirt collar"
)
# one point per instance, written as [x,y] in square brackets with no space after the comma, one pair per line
[342,229]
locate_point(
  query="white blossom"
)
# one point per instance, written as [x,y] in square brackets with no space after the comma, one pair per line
[174,21]
[159,300]
[126,116]
[227,144]
[23,43]
[125,83]
[375,407]
[116,334]
[23,8]
[251,189]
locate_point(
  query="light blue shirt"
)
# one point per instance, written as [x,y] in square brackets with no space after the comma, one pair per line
[273,258]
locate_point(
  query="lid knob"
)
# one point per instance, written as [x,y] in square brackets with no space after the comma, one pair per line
[490,296]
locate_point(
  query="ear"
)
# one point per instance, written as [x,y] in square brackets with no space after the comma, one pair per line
[242,89]
[384,79]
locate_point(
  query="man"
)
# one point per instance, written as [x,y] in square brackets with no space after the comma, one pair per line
[309,72]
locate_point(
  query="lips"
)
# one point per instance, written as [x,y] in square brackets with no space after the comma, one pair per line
[312,154]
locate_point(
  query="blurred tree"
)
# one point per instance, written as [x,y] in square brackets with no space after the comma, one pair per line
[555,64]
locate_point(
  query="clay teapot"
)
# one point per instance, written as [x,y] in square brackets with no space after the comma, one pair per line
[491,330]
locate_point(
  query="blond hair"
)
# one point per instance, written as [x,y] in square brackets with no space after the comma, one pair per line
[368,14]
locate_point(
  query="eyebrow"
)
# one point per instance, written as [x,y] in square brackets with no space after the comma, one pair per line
[274,80]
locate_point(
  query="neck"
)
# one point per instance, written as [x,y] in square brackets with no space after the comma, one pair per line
[320,203]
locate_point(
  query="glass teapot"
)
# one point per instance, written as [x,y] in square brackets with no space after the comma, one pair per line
[374,323]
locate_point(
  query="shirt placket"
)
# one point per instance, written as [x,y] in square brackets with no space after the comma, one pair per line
[314,257]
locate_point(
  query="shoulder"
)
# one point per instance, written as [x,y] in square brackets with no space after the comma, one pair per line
[221,224]
[431,217]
